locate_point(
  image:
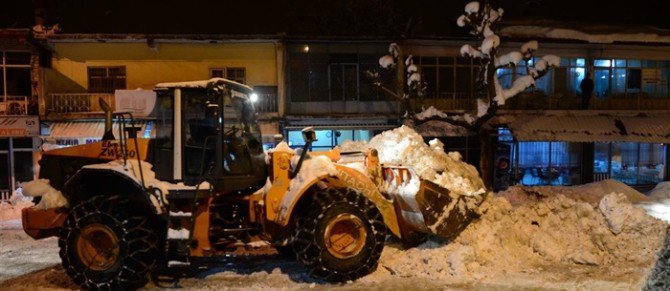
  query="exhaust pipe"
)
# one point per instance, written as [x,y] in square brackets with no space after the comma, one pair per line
[109,134]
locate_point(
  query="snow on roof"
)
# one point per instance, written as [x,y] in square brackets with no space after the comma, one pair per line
[202,84]
[588,35]
[600,128]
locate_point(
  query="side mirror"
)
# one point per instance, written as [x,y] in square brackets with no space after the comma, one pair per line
[308,134]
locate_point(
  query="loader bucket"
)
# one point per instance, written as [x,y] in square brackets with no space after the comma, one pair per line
[427,207]
[445,215]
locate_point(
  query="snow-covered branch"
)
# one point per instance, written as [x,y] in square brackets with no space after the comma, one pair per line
[482,18]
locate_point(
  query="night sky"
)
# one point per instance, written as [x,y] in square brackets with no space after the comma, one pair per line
[374,18]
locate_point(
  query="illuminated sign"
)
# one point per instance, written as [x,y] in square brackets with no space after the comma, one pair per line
[19,126]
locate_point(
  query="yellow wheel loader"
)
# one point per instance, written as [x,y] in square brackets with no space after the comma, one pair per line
[137,207]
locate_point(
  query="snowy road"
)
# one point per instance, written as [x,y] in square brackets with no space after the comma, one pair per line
[34,265]
[535,238]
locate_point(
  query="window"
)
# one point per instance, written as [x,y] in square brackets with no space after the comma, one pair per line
[549,163]
[335,73]
[631,163]
[236,74]
[217,72]
[576,71]
[447,77]
[233,74]
[15,78]
[106,79]
[327,139]
[629,78]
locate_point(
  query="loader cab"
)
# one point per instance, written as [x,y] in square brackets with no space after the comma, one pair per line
[207,131]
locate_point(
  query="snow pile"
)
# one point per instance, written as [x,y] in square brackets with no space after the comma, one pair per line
[659,206]
[404,147]
[11,210]
[51,198]
[353,146]
[181,233]
[661,191]
[590,193]
[545,233]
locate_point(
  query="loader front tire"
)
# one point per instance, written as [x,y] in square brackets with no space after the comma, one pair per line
[342,236]
[108,243]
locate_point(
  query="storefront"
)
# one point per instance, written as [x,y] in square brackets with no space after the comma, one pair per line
[577,149]
[332,132]
[18,143]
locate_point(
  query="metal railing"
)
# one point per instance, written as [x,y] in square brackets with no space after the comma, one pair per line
[5,195]
[600,176]
[65,103]
[266,103]
[539,101]
[13,105]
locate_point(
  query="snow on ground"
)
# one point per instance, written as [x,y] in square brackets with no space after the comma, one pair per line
[11,210]
[526,238]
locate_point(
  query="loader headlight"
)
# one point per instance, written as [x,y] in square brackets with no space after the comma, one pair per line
[253,97]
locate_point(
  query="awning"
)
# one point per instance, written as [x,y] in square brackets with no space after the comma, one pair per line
[341,123]
[82,132]
[599,128]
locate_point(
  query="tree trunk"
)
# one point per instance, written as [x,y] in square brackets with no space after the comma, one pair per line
[486,158]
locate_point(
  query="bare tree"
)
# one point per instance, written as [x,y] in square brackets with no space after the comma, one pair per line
[489,92]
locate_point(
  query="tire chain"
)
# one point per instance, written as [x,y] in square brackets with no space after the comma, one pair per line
[140,240]
[307,249]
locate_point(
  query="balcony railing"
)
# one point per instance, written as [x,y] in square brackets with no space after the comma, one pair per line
[266,103]
[538,101]
[13,105]
[76,103]
[5,195]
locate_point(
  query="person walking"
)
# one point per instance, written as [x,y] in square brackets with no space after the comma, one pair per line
[587,88]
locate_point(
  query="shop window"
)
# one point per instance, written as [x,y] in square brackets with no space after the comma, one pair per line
[549,163]
[602,63]
[106,79]
[634,79]
[327,139]
[4,171]
[630,163]
[601,160]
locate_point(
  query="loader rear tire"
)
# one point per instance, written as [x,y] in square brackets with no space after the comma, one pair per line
[342,236]
[109,243]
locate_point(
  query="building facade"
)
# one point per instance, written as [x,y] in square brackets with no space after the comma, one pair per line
[20,90]
[542,137]
[123,70]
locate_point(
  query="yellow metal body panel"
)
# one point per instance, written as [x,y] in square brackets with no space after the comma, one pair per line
[348,177]
[281,164]
[201,229]
[104,149]
[279,209]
